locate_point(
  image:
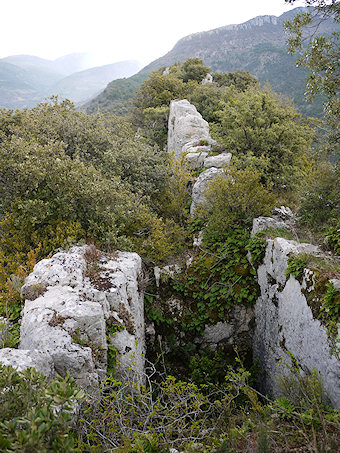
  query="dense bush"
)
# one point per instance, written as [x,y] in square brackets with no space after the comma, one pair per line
[263,131]
[235,198]
[36,415]
[167,413]
[320,200]
[67,176]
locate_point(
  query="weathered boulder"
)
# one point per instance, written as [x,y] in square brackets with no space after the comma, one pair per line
[187,130]
[285,325]
[283,213]
[262,223]
[218,161]
[237,329]
[196,159]
[207,79]
[20,360]
[81,307]
[201,185]
[281,218]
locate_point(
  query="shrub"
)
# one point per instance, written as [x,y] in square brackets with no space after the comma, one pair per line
[36,415]
[319,206]
[235,200]
[164,412]
[259,122]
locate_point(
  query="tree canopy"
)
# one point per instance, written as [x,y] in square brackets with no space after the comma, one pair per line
[320,54]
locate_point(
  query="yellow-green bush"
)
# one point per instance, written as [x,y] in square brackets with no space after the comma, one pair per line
[233,199]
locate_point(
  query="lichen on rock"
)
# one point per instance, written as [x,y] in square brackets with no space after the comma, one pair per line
[67,321]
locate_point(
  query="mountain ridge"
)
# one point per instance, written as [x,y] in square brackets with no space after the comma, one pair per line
[257,45]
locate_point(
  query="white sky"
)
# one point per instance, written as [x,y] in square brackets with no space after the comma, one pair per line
[117,30]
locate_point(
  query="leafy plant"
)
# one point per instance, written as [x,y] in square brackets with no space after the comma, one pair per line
[333,238]
[36,415]
[234,199]
[296,265]
[257,122]
[218,278]
[256,247]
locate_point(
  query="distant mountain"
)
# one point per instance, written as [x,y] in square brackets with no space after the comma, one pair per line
[74,62]
[26,80]
[258,46]
[23,87]
[83,85]
[65,65]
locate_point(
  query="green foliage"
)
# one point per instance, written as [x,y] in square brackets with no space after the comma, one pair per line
[163,413]
[166,413]
[208,367]
[66,175]
[176,196]
[257,247]
[35,415]
[217,279]
[143,443]
[209,100]
[259,124]
[321,55]
[194,69]
[241,80]
[331,304]
[155,125]
[151,103]
[234,199]
[157,239]
[10,336]
[105,141]
[319,206]
[296,265]
[333,237]
[112,352]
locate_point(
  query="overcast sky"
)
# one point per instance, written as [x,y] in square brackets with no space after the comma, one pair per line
[117,30]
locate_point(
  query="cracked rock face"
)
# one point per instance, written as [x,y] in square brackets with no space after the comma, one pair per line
[285,324]
[186,128]
[78,306]
[237,329]
[201,185]
[189,136]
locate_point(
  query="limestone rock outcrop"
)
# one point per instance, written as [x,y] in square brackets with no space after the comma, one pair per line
[282,218]
[189,136]
[285,325]
[81,307]
[20,360]
[187,130]
[201,185]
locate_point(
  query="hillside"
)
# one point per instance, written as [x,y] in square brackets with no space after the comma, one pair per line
[82,85]
[258,46]
[26,80]
[115,98]
[23,87]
